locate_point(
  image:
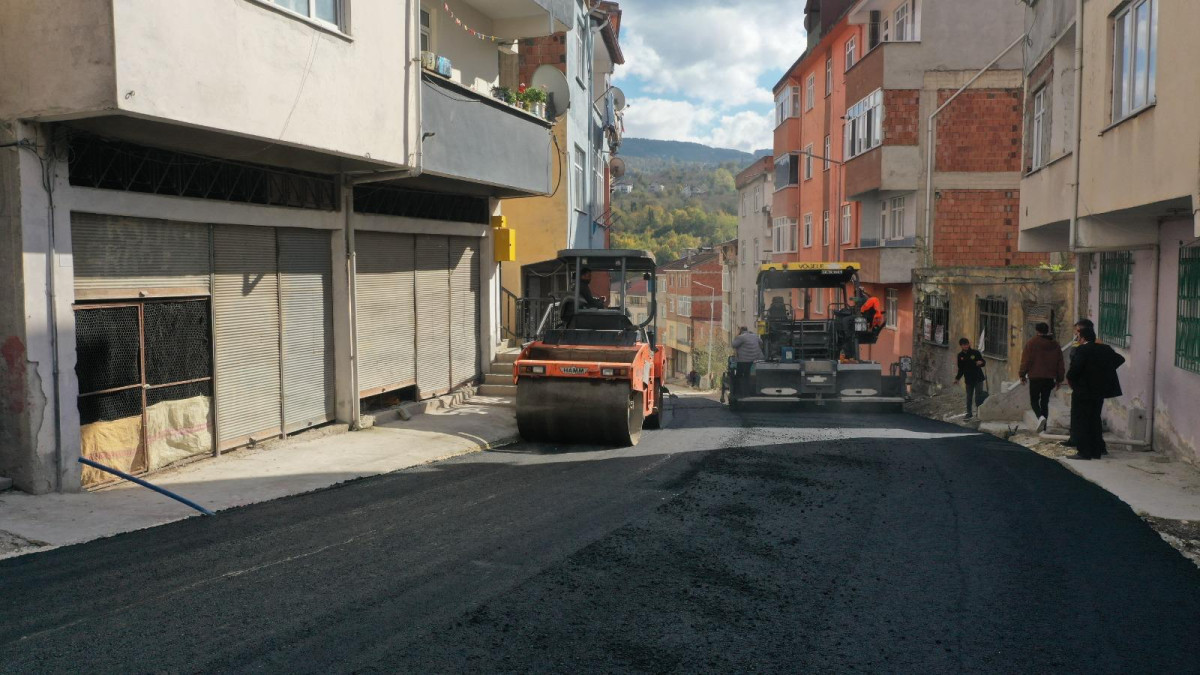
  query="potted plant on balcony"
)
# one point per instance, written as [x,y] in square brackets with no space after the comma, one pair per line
[537,101]
[503,94]
[522,97]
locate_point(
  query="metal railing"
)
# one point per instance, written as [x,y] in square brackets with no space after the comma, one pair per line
[522,319]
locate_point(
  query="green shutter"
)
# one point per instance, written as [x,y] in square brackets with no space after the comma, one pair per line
[1115,272]
[1187,327]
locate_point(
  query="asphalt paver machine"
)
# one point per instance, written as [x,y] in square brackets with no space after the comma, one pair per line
[813,354]
[590,374]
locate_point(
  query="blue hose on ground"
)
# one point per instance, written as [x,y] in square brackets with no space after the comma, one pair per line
[139,481]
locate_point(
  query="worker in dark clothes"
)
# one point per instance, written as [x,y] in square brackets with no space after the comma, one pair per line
[777,311]
[1093,378]
[970,369]
[1043,369]
[585,291]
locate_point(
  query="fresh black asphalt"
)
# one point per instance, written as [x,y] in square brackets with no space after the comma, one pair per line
[782,540]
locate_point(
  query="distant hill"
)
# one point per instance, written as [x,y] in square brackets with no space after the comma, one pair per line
[684,153]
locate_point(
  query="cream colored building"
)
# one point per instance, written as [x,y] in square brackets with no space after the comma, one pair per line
[232,220]
[753,241]
[1135,218]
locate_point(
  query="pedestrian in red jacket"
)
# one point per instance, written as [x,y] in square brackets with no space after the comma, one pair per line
[1043,369]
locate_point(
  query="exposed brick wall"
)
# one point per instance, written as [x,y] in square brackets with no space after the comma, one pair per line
[978,228]
[980,131]
[901,116]
[536,52]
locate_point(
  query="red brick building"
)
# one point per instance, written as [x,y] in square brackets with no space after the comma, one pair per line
[689,314]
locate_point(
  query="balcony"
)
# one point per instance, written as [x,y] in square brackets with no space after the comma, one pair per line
[884,265]
[474,138]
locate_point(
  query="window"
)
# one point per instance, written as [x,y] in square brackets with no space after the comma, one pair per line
[1135,57]
[897,231]
[745,200]
[787,171]
[792,235]
[1116,271]
[581,49]
[828,149]
[784,234]
[900,23]
[758,257]
[810,92]
[757,199]
[936,328]
[993,326]
[864,125]
[787,104]
[324,11]
[1040,133]
[808,162]
[891,308]
[426,31]
[825,228]
[819,301]
[887,31]
[1187,326]
[580,179]
[685,306]
[851,46]
[847,235]
[828,76]
[808,233]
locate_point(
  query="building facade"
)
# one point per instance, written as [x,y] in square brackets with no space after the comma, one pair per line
[690,309]
[237,240]
[587,136]
[1123,194]
[755,192]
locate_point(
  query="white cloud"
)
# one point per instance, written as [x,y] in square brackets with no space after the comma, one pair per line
[701,70]
[670,120]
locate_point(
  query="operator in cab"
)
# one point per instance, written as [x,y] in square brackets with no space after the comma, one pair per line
[585,291]
[777,311]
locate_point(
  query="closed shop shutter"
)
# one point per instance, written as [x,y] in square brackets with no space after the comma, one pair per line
[386,309]
[433,310]
[117,257]
[247,331]
[306,302]
[464,310]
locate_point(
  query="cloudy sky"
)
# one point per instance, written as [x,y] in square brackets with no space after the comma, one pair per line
[702,70]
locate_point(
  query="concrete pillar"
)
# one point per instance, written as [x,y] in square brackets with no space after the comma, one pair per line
[489,289]
[345,397]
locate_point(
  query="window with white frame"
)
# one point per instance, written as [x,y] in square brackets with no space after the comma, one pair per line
[1040,133]
[787,171]
[580,179]
[758,257]
[851,48]
[745,200]
[324,11]
[792,226]
[685,306]
[808,233]
[784,235]
[828,149]
[864,125]
[883,217]
[892,308]
[581,49]
[825,228]
[819,301]
[810,92]
[897,219]
[828,75]
[1135,57]
[787,104]
[846,223]
[426,31]
[808,162]
[900,25]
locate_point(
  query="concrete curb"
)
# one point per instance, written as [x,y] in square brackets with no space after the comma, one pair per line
[406,411]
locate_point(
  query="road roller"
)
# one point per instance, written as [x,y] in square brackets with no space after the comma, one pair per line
[590,374]
[814,354]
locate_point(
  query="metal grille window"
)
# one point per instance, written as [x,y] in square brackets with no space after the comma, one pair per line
[936,328]
[1116,270]
[1187,328]
[993,327]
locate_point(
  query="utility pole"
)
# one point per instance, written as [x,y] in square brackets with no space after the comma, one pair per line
[712,303]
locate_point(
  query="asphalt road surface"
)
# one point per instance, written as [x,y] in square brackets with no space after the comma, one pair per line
[755,541]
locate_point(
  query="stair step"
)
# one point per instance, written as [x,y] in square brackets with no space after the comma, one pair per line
[497,390]
[507,357]
[499,378]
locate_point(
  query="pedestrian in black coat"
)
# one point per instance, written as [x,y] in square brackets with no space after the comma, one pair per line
[1093,378]
[970,368]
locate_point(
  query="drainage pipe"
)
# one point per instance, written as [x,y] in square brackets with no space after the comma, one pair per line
[145,484]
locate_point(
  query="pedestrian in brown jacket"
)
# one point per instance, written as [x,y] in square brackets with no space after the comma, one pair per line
[1043,369]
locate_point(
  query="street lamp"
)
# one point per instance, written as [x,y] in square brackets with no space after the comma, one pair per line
[712,303]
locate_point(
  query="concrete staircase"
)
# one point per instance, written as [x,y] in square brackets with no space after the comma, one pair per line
[498,381]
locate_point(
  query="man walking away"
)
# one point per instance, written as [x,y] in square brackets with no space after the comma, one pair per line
[747,348]
[1093,378]
[970,368]
[1043,369]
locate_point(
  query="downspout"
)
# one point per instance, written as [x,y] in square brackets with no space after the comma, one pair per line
[1073,229]
[413,142]
[929,148]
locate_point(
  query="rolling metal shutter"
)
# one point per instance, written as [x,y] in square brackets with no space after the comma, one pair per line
[386,309]
[464,310]
[306,303]
[247,332]
[117,257]
[433,309]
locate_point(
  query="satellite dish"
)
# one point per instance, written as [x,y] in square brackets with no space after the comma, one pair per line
[618,99]
[616,167]
[555,83]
